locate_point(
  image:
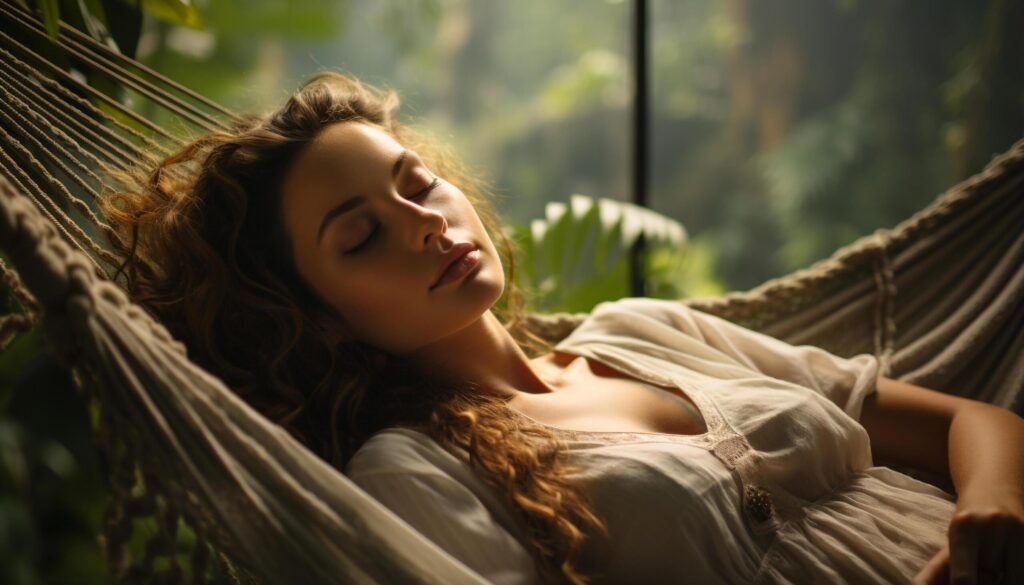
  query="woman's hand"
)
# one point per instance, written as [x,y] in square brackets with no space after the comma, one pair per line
[986,541]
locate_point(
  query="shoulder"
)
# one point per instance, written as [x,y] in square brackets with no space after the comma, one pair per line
[660,309]
[652,314]
[400,449]
[438,493]
[662,322]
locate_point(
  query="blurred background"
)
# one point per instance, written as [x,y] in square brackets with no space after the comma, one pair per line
[779,132]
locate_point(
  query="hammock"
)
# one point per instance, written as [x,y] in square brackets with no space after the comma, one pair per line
[939,300]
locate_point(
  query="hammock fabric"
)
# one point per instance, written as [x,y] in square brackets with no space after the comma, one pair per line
[939,300]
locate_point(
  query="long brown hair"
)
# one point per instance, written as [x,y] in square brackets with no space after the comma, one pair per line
[204,250]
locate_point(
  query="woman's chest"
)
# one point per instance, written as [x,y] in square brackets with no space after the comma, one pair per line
[606,400]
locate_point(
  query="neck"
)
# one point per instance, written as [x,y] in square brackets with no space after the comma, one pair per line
[485,354]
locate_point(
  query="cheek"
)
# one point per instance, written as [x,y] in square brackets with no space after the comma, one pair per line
[469,211]
[370,292]
[377,303]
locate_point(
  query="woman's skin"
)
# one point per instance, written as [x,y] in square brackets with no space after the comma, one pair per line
[382,290]
[382,293]
[981,448]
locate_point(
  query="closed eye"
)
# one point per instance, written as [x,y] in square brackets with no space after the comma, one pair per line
[362,245]
[433,184]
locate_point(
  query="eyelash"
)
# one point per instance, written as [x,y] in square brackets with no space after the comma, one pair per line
[433,184]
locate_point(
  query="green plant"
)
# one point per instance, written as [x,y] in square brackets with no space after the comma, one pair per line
[92,16]
[578,255]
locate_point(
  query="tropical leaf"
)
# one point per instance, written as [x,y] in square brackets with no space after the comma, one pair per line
[577,255]
[123,20]
[51,17]
[94,21]
[180,12]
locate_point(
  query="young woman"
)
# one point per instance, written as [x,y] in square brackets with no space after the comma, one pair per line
[340,272]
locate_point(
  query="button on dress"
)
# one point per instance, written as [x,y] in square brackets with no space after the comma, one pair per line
[780,489]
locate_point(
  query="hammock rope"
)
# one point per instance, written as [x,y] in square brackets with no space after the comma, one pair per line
[46,202]
[59,118]
[939,299]
[17,70]
[66,77]
[885,325]
[29,132]
[42,199]
[11,325]
[100,57]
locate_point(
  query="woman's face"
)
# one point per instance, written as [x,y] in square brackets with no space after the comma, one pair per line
[370,229]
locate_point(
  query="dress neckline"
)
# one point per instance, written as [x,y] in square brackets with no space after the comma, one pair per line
[620,435]
[703,403]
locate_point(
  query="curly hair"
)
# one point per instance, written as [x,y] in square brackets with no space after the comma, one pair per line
[204,251]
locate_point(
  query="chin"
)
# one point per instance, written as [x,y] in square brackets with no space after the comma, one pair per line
[496,288]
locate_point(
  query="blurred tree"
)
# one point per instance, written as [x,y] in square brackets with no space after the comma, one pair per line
[783,131]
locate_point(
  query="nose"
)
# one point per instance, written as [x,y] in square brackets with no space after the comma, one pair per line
[429,227]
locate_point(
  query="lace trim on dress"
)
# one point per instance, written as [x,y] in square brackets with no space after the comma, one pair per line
[717,431]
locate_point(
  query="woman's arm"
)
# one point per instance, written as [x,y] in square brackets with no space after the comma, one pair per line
[909,425]
[981,448]
[971,442]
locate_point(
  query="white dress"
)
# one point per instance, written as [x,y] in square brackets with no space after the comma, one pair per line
[780,489]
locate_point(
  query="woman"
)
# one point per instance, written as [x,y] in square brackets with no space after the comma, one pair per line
[340,273]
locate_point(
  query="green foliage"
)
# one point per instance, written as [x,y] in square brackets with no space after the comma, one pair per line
[178,12]
[91,17]
[272,19]
[598,77]
[238,53]
[800,177]
[578,255]
[52,491]
[51,14]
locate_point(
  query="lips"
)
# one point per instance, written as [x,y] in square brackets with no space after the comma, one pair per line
[453,255]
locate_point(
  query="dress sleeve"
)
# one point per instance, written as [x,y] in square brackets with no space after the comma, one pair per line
[844,381]
[442,509]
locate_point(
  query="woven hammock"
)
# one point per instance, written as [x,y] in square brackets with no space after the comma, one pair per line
[939,300]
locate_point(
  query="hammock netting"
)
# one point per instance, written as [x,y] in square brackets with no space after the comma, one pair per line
[939,299]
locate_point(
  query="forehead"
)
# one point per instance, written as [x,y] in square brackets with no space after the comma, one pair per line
[341,148]
[331,168]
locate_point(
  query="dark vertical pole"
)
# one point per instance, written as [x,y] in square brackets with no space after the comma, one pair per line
[637,268]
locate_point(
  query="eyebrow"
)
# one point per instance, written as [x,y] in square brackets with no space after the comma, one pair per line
[354,202]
